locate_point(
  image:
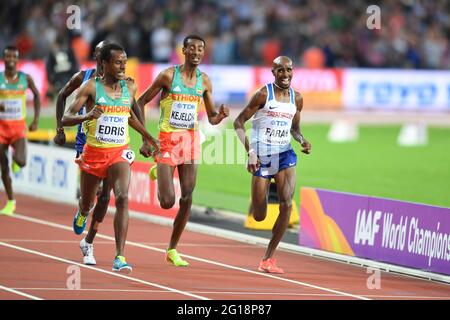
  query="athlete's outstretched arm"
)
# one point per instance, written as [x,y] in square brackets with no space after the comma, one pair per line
[86,93]
[37,104]
[136,121]
[69,87]
[295,127]
[214,117]
[162,82]
[258,99]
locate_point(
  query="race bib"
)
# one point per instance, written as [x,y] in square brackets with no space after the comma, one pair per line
[128,155]
[112,129]
[276,135]
[183,115]
[13,109]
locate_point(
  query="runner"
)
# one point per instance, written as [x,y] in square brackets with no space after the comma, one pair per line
[276,109]
[182,87]
[108,102]
[13,127]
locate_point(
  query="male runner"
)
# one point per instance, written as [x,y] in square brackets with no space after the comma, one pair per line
[182,87]
[276,109]
[13,108]
[108,101]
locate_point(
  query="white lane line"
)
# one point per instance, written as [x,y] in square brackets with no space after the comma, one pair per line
[23,294]
[233,293]
[139,245]
[112,242]
[101,270]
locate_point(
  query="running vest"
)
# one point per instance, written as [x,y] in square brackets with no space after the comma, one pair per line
[179,110]
[271,129]
[111,129]
[14,97]
[80,139]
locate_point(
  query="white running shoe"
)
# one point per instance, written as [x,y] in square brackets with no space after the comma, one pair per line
[87,249]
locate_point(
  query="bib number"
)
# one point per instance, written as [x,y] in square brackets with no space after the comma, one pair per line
[183,115]
[128,155]
[111,129]
[13,109]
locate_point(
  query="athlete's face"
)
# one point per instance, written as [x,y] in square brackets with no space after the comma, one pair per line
[115,67]
[11,58]
[283,74]
[194,51]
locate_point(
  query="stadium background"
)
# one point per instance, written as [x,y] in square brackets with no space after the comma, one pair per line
[373,80]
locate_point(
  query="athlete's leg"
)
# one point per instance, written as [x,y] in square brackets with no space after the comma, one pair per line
[20,152]
[119,176]
[259,197]
[166,190]
[285,180]
[99,210]
[88,188]
[4,165]
[188,175]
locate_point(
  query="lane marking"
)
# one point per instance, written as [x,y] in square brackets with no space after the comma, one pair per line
[23,294]
[139,245]
[233,293]
[100,270]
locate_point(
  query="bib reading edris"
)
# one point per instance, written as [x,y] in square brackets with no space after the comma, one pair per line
[111,128]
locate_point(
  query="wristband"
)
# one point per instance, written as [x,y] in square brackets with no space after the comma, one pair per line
[59,130]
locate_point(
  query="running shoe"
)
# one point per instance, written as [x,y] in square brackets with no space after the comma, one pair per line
[269,266]
[120,265]
[174,258]
[87,249]
[79,223]
[153,173]
[9,208]
[15,167]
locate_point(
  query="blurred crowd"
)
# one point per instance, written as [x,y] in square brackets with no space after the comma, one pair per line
[325,33]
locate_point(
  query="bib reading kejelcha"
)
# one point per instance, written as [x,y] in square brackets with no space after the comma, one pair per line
[111,128]
[179,110]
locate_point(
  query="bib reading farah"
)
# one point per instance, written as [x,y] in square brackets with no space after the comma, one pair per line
[271,129]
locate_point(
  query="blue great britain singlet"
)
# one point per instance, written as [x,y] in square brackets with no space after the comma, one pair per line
[271,126]
[80,139]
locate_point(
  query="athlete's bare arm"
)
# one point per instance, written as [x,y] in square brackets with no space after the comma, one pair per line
[258,100]
[162,82]
[85,96]
[37,104]
[138,124]
[74,83]
[214,117]
[295,128]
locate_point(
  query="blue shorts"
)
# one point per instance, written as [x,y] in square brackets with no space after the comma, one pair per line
[272,164]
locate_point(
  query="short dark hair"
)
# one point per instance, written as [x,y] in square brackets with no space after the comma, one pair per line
[105,52]
[11,48]
[194,37]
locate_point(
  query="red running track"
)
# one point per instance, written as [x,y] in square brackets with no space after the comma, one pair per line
[40,259]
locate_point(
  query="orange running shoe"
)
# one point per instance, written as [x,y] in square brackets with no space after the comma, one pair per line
[269,266]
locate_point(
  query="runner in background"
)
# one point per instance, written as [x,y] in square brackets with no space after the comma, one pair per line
[13,127]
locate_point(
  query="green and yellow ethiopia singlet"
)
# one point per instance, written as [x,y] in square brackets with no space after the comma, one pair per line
[111,129]
[14,97]
[179,110]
